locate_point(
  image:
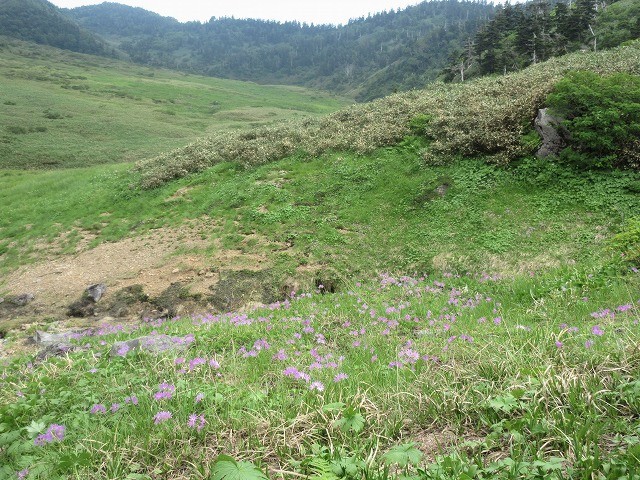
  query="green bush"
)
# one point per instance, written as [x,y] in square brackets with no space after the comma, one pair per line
[627,242]
[602,116]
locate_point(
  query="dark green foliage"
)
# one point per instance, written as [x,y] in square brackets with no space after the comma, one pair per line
[40,21]
[369,57]
[618,23]
[603,117]
[528,33]
[627,242]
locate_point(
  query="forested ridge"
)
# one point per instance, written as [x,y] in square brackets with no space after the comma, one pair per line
[41,22]
[524,34]
[369,57]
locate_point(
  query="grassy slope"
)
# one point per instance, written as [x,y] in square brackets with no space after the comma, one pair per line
[60,109]
[346,213]
[518,353]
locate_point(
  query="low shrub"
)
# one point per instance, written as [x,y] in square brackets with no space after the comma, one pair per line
[627,242]
[487,117]
[603,118]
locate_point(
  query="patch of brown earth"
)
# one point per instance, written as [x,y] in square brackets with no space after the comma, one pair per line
[154,260]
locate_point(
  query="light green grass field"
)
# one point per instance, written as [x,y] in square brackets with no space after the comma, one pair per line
[59,109]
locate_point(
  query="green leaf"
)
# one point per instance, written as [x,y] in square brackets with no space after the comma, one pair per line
[403,455]
[36,428]
[333,407]
[350,421]
[226,468]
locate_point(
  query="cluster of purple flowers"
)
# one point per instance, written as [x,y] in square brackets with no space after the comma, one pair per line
[55,433]
[161,417]
[165,391]
[196,421]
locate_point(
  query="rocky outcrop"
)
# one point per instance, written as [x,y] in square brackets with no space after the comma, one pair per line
[86,305]
[151,344]
[554,135]
[56,344]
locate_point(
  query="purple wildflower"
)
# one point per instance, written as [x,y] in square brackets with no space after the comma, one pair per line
[161,417]
[214,364]
[115,407]
[123,350]
[596,330]
[196,421]
[340,376]
[588,344]
[132,400]
[559,344]
[54,433]
[281,355]
[165,391]
[316,386]
[22,474]
[195,362]
[98,408]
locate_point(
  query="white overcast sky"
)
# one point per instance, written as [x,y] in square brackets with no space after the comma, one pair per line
[310,11]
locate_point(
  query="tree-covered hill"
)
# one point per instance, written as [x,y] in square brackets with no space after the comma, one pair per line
[524,34]
[41,22]
[369,57]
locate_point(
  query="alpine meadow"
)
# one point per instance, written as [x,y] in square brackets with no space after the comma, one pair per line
[404,248]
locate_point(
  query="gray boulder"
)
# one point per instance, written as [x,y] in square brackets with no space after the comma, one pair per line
[554,135]
[151,344]
[46,339]
[86,305]
[95,292]
[23,299]
[54,350]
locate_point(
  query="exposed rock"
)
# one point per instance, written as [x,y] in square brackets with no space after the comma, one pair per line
[54,350]
[47,339]
[239,288]
[86,305]
[95,292]
[152,344]
[22,300]
[553,134]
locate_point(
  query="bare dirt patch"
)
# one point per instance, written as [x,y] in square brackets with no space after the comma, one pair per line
[154,260]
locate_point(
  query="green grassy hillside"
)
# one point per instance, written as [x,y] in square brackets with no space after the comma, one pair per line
[59,109]
[470,315]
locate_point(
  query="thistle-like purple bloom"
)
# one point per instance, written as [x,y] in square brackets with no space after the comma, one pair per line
[196,421]
[339,377]
[55,433]
[98,408]
[161,417]
[596,330]
[165,391]
[319,386]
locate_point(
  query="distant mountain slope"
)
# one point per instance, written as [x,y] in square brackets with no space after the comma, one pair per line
[114,19]
[369,57]
[41,22]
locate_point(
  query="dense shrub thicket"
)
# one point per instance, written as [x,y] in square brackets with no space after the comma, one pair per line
[603,118]
[486,117]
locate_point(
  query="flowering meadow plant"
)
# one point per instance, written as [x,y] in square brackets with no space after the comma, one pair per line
[381,360]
